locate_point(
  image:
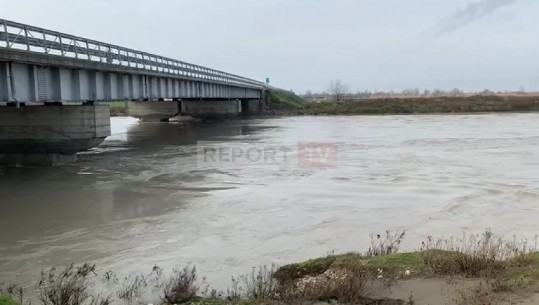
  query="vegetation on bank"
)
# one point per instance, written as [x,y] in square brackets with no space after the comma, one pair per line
[500,270]
[285,102]
[7,300]
[417,105]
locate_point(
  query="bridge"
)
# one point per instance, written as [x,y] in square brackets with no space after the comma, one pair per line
[53,87]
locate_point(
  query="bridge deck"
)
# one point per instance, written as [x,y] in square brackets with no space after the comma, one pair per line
[37,64]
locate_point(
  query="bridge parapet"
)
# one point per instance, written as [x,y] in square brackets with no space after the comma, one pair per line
[20,38]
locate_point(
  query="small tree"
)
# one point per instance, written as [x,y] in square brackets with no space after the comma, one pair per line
[487,92]
[456,92]
[438,92]
[338,89]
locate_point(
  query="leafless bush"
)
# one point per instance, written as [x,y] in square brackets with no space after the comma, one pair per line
[351,288]
[338,89]
[385,245]
[181,287]
[132,289]
[234,292]
[261,284]
[476,254]
[69,287]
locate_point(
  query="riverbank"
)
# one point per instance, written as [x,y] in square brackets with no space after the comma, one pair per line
[419,105]
[474,269]
[284,102]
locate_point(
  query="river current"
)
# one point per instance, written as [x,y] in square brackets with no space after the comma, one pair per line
[142,199]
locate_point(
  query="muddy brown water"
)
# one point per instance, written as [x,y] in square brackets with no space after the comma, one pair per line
[141,198]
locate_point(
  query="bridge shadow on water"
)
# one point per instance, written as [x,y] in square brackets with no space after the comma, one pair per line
[143,171]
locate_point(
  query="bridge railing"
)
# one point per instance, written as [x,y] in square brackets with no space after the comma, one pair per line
[28,38]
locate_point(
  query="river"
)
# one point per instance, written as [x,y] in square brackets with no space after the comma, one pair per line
[141,198]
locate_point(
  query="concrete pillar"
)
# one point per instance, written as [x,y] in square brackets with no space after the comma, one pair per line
[4,84]
[153,111]
[50,135]
[251,105]
[211,109]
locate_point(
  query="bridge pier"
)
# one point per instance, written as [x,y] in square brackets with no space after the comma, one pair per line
[211,109]
[153,111]
[50,135]
[251,106]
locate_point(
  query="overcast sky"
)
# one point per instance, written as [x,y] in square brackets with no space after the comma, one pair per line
[303,44]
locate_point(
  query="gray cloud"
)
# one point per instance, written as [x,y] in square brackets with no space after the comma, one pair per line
[472,12]
[303,44]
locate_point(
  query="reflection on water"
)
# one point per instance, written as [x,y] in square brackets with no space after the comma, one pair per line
[139,199]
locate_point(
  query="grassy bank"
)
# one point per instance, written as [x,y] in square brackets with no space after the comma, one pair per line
[424,105]
[474,269]
[285,102]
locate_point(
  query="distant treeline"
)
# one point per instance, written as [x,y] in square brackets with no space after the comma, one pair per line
[411,92]
[416,105]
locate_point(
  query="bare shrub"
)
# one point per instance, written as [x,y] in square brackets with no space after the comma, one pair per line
[234,292]
[132,288]
[351,288]
[181,287]
[338,89]
[385,245]
[261,284]
[523,254]
[69,287]
[483,254]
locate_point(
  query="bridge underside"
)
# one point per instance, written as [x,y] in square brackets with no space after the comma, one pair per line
[36,83]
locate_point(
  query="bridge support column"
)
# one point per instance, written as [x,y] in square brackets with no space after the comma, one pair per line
[211,109]
[251,106]
[153,111]
[50,135]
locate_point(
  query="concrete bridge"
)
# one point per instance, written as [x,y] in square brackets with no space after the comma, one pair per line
[53,85]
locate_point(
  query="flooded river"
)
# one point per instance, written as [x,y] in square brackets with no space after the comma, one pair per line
[142,199]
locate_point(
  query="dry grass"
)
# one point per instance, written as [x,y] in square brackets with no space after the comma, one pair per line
[181,287]
[475,255]
[261,284]
[389,244]
[69,287]
[502,267]
[132,288]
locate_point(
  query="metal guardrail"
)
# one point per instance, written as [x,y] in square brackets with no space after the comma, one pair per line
[33,39]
